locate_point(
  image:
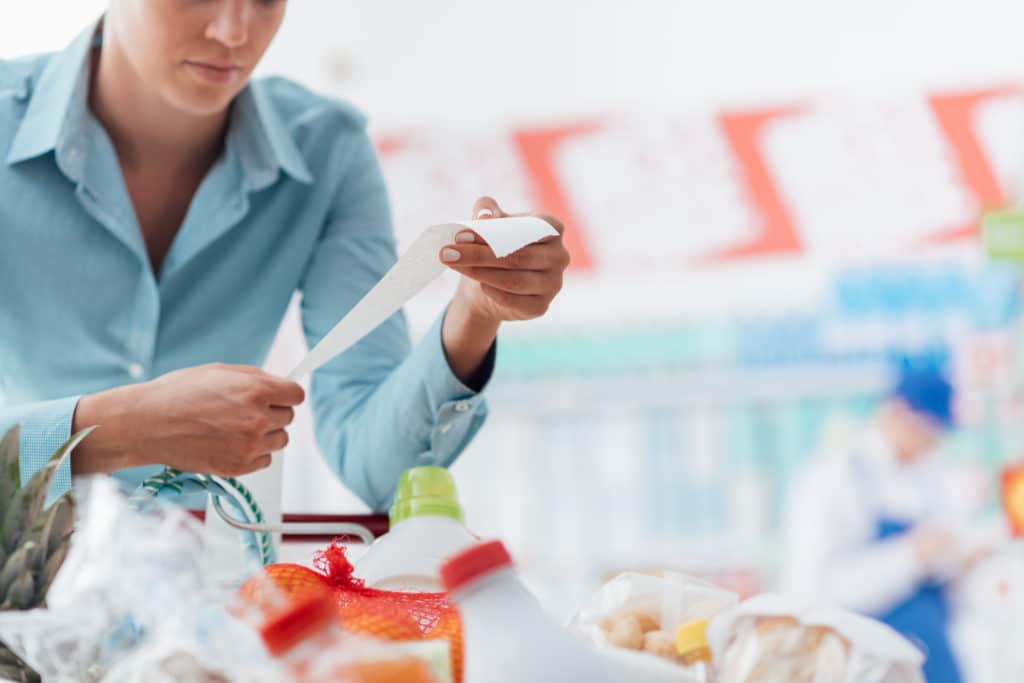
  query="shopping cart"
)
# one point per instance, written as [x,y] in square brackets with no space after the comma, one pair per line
[235,504]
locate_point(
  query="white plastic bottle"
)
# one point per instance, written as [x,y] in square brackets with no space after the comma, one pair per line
[508,637]
[426,529]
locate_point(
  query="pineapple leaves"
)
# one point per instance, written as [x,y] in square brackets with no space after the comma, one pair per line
[10,474]
[27,503]
[33,541]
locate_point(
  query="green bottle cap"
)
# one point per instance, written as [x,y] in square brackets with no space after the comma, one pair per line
[426,492]
[1003,235]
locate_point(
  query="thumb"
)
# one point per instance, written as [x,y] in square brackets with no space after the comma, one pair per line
[487,207]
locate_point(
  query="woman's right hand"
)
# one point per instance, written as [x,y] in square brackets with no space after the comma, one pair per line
[214,419]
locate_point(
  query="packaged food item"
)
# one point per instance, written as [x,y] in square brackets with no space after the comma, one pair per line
[776,639]
[426,528]
[658,622]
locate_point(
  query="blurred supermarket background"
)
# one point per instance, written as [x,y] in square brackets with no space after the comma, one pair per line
[766,202]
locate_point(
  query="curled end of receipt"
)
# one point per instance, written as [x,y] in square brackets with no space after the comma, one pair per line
[416,269]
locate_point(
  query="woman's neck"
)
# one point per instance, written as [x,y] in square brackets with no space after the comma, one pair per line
[145,129]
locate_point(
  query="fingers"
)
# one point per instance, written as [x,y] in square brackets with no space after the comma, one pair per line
[469,237]
[260,387]
[255,455]
[466,252]
[274,441]
[260,463]
[283,392]
[524,282]
[280,418]
[238,464]
[533,257]
[527,306]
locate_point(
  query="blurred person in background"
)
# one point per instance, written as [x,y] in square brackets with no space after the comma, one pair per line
[877,527]
[159,210]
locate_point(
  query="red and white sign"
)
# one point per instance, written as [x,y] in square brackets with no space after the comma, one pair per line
[645,195]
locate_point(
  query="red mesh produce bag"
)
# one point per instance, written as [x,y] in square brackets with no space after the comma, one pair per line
[387,615]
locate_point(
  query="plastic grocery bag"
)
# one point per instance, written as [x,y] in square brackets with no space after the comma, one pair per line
[777,639]
[131,603]
[640,613]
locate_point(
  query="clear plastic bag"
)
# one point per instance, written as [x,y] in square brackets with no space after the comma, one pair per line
[634,618]
[776,639]
[131,603]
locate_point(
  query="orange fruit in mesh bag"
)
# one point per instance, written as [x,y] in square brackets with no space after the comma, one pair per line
[387,615]
[291,580]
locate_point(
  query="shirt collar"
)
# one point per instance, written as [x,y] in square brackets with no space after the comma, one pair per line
[58,98]
[59,103]
[263,141]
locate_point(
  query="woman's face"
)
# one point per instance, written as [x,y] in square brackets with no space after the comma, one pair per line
[195,54]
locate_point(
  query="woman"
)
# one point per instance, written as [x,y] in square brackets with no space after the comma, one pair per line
[158,212]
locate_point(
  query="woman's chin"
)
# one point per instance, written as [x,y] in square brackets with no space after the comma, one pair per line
[202,100]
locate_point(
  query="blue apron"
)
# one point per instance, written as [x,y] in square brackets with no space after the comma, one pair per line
[924,616]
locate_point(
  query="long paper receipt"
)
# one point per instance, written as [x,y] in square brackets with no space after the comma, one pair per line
[416,269]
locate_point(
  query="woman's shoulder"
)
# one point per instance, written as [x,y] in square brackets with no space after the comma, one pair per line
[17,81]
[300,107]
[329,133]
[18,75]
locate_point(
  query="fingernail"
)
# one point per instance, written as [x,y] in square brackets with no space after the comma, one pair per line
[450,255]
[465,238]
[484,213]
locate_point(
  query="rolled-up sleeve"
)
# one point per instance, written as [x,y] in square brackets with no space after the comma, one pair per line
[44,427]
[382,406]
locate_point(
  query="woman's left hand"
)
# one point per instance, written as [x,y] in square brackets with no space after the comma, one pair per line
[520,286]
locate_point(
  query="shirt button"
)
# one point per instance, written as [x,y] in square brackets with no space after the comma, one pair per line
[136,370]
[445,429]
[462,407]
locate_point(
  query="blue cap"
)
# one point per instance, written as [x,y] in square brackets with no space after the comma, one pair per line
[926,391]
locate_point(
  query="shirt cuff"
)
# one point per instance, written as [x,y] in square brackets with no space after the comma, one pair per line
[43,431]
[459,410]
[446,378]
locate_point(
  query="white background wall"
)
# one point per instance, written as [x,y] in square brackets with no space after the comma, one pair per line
[473,60]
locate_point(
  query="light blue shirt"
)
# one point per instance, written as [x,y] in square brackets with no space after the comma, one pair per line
[295,203]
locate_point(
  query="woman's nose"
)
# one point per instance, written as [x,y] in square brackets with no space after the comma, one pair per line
[230,25]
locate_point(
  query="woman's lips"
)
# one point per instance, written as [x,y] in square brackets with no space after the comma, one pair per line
[216,74]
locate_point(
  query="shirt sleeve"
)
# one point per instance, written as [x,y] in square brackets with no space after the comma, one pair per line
[875,578]
[45,427]
[382,406]
[830,555]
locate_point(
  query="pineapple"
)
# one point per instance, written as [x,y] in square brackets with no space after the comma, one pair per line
[33,541]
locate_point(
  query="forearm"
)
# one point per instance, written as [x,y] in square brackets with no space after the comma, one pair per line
[467,339]
[108,449]
[418,413]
